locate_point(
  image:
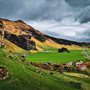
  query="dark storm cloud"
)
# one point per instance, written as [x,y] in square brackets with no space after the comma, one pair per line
[41,9]
[63,12]
[9,8]
[85,15]
[34,9]
[78,3]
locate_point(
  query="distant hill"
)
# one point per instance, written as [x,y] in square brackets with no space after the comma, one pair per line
[25,37]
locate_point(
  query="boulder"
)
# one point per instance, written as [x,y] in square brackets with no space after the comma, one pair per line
[3,73]
[63,50]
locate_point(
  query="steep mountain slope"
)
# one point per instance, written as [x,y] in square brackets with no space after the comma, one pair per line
[28,38]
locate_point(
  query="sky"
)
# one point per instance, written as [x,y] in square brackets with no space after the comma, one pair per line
[68,19]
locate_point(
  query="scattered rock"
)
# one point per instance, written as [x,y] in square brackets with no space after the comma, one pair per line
[3,73]
[46,67]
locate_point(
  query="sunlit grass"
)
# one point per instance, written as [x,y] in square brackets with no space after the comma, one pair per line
[56,57]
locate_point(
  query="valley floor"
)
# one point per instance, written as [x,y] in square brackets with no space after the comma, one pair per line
[55,57]
[23,76]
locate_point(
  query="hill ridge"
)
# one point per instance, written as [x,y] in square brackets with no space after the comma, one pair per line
[21,34]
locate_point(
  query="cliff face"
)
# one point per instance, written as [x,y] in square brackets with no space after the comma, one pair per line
[22,41]
[28,38]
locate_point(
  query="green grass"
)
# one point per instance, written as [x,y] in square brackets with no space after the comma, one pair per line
[25,77]
[56,57]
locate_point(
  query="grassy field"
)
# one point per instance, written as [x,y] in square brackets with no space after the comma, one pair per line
[56,57]
[25,77]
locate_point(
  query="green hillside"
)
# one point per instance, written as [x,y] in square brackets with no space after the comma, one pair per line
[23,76]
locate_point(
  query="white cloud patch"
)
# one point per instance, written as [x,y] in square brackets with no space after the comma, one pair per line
[67,28]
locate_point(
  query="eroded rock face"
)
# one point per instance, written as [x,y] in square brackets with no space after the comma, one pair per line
[22,41]
[38,35]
